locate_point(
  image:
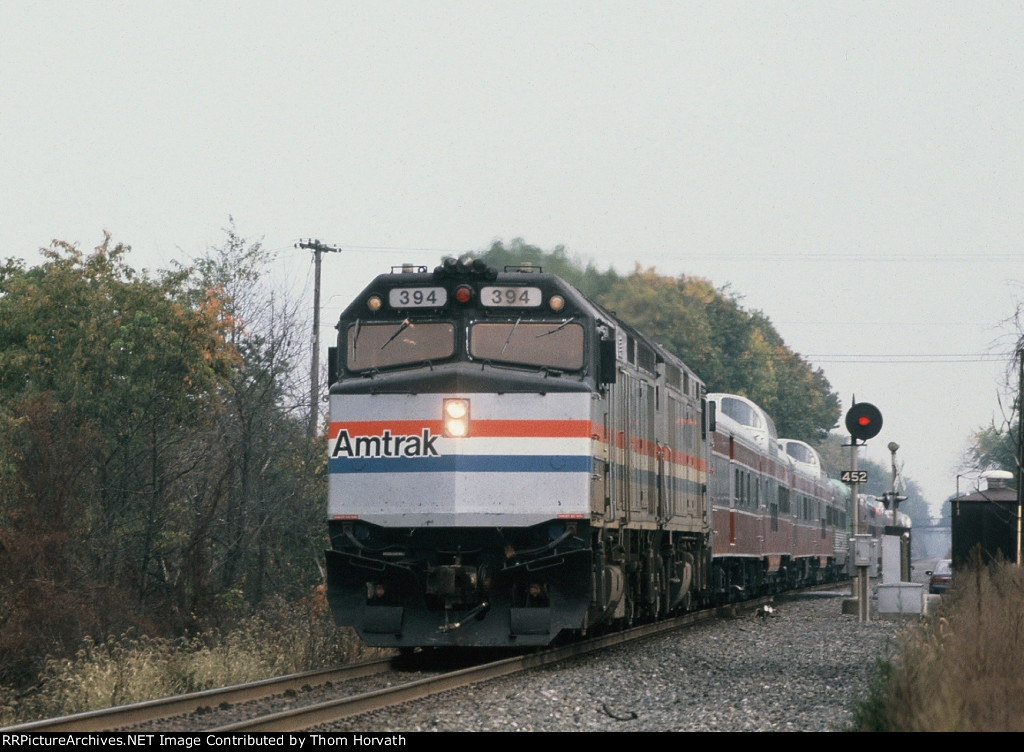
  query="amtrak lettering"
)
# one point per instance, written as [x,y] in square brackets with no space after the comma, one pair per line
[385,445]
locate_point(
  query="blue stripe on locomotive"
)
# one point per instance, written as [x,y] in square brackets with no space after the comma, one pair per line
[478,463]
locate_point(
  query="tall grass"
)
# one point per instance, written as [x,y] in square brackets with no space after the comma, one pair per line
[284,638]
[962,669]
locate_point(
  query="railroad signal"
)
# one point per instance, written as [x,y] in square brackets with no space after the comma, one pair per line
[891,499]
[863,421]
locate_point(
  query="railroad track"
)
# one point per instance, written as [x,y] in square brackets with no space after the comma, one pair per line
[124,716]
[311,699]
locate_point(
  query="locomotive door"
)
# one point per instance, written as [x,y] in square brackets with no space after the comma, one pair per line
[602,485]
[629,450]
[697,479]
[619,441]
[669,504]
[633,441]
[646,450]
[664,499]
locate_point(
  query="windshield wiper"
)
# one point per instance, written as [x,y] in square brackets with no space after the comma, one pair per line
[509,339]
[355,337]
[557,328]
[401,328]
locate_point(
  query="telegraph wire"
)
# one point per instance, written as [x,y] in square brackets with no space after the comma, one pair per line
[815,256]
[910,359]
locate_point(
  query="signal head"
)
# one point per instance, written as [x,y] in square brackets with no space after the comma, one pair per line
[863,421]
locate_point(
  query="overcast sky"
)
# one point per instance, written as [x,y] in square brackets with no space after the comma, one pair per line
[853,170]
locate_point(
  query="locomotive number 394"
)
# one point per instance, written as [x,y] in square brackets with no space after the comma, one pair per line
[510,297]
[417,297]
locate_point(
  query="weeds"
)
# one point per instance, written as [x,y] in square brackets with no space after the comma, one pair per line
[962,669]
[872,713]
[284,638]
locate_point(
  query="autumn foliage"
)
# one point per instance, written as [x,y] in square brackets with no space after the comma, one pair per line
[152,472]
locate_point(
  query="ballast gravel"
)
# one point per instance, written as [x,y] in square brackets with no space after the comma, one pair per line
[800,669]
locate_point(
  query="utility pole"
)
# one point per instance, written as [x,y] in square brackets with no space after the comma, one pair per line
[318,248]
[1020,454]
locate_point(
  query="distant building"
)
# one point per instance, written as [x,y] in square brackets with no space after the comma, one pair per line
[984,523]
[932,540]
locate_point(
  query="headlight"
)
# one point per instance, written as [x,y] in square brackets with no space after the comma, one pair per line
[456,418]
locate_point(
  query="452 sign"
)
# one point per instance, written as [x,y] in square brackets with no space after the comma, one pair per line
[854,476]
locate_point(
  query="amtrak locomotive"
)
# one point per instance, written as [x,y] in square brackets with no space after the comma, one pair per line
[509,462]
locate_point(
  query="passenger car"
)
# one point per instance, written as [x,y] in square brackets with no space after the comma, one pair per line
[941,578]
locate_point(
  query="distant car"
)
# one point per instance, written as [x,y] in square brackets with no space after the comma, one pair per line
[941,578]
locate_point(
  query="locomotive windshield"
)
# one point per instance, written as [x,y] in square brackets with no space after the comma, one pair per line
[544,344]
[464,313]
[398,343]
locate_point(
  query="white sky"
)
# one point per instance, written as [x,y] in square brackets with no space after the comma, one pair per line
[853,170]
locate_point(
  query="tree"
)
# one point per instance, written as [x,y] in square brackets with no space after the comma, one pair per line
[106,376]
[997,447]
[270,497]
[154,464]
[583,275]
[993,448]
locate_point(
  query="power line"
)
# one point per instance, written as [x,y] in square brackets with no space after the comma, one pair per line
[958,258]
[816,256]
[911,359]
[397,251]
[863,324]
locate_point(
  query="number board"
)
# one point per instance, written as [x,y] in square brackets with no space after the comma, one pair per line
[510,297]
[854,476]
[417,297]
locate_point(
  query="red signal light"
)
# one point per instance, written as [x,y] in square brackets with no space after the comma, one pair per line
[863,421]
[463,293]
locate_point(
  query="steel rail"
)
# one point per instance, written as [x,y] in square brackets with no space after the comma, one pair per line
[304,718]
[301,718]
[107,719]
